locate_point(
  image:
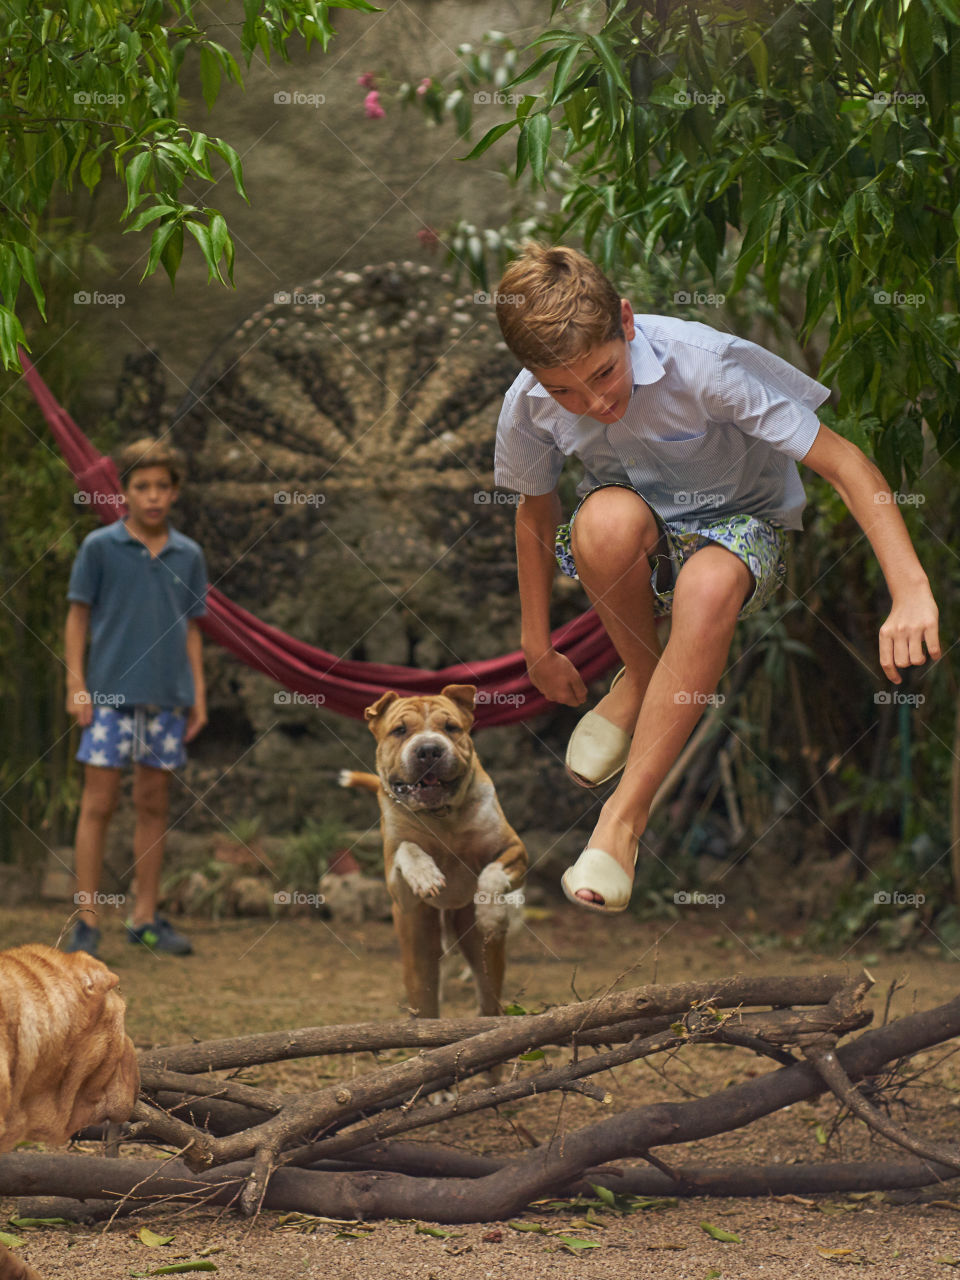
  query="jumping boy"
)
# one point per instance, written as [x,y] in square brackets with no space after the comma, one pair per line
[688,439]
[137,587]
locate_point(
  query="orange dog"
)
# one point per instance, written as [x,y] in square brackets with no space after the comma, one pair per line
[65,1060]
[449,854]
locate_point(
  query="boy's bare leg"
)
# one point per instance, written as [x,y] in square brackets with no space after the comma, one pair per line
[709,594]
[613,535]
[99,799]
[151,792]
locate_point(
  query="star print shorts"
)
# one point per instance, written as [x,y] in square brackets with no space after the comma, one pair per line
[143,735]
[758,543]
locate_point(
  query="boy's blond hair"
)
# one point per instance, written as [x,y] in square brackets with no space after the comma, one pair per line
[554,306]
[148,452]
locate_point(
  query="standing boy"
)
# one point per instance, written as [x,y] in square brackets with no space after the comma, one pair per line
[689,439]
[137,588]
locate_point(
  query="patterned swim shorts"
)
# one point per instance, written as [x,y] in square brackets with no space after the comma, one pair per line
[143,735]
[760,544]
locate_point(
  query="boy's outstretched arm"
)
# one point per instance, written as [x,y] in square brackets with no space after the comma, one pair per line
[912,621]
[551,672]
[197,716]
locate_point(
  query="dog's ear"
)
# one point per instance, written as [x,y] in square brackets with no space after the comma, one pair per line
[464,695]
[375,711]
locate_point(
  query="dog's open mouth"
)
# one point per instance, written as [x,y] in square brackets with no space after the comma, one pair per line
[428,791]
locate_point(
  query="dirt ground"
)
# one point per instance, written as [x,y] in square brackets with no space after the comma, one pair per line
[263,975]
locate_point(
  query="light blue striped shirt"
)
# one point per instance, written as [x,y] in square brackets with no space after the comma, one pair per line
[715,426]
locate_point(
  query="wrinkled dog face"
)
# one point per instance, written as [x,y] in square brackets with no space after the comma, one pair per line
[424,749]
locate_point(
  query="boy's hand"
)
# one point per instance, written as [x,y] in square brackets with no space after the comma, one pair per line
[80,705]
[557,678]
[911,625]
[196,719]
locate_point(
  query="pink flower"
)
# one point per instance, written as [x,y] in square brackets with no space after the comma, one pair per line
[371,105]
[428,237]
[424,85]
[367,80]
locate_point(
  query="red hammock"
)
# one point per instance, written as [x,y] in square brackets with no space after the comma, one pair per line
[504,692]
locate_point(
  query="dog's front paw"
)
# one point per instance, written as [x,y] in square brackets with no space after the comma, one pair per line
[494,900]
[419,870]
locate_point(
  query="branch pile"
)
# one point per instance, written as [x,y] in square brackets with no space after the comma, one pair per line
[335,1151]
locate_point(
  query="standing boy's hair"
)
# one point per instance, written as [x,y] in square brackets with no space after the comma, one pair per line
[148,452]
[554,306]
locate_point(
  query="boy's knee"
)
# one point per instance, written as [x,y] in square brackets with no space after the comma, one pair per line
[715,584]
[98,804]
[150,795]
[613,524]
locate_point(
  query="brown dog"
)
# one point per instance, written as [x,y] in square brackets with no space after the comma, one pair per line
[65,1060]
[450,856]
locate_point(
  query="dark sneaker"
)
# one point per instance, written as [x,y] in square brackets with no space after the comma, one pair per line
[83,937]
[160,935]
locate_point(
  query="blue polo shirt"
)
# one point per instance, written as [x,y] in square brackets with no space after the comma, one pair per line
[139,609]
[714,423]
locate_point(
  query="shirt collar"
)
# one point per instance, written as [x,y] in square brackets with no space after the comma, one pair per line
[120,531]
[646,367]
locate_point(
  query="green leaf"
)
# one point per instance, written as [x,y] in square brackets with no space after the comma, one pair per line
[209,75]
[534,1055]
[575,1245]
[537,130]
[435,1231]
[11,1241]
[718,1233]
[151,1239]
[489,138]
[134,174]
[178,1268]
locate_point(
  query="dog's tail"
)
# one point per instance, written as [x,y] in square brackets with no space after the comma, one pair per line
[366,781]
